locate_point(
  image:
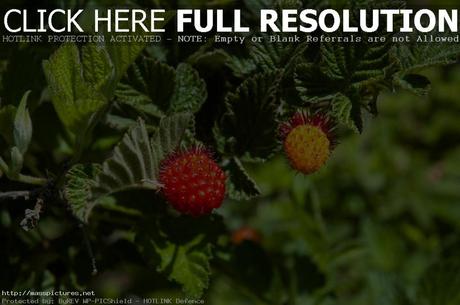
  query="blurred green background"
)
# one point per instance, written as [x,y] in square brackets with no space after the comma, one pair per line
[383,211]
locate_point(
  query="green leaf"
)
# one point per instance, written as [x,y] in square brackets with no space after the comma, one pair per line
[167,139]
[415,55]
[343,110]
[209,60]
[312,84]
[119,123]
[17,161]
[239,185]
[97,67]
[22,126]
[77,190]
[417,84]
[123,55]
[180,248]
[347,77]
[241,67]
[353,69]
[270,56]
[136,159]
[190,92]
[187,264]
[74,99]
[157,89]
[342,68]
[132,165]
[249,126]
[148,87]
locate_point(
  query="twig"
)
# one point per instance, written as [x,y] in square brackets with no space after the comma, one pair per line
[15,195]
[88,247]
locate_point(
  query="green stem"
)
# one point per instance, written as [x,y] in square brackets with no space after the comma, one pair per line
[21,178]
[31,180]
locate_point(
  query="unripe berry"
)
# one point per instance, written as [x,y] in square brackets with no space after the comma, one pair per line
[307,141]
[192,182]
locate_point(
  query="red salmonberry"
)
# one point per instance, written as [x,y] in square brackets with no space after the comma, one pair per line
[192,182]
[307,141]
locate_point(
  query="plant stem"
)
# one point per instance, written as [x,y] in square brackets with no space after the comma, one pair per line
[88,248]
[15,195]
[31,180]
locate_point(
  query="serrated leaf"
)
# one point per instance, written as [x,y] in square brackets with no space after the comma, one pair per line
[97,67]
[132,165]
[169,135]
[73,98]
[344,67]
[342,110]
[249,126]
[212,60]
[313,85]
[186,264]
[77,190]
[22,126]
[240,185]
[341,68]
[123,55]
[270,56]
[119,123]
[241,67]
[148,87]
[180,248]
[415,55]
[190,92]
[136,159]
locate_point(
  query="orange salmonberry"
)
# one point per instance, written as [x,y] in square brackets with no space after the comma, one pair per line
[307,141]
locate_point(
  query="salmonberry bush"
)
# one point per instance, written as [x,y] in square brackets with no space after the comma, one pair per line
[262,173]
